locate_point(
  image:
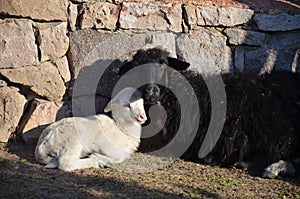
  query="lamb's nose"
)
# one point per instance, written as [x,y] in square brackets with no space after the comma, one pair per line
[143,116]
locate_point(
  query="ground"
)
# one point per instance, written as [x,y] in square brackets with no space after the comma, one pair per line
[22,177]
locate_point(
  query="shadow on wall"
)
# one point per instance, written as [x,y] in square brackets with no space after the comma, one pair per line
[23,144]
[271,6]
[275,56]
[281,50]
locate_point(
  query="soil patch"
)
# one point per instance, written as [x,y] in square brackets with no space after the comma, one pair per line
[22,177]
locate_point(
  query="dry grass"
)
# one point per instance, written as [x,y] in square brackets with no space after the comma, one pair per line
[23,178]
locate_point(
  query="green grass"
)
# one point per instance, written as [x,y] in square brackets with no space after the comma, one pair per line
[7,163]
[22,161]
[223,181]
[287,194]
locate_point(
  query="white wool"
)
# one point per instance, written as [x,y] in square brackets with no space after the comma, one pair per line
[94,141]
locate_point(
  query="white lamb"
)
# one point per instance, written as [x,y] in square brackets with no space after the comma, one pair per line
[94,141]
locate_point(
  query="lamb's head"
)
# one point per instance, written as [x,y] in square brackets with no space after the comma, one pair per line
[127,106]
[137,111]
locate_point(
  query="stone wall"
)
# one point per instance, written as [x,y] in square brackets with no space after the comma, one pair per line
[44,44]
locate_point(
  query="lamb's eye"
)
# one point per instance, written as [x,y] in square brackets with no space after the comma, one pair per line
[127,105]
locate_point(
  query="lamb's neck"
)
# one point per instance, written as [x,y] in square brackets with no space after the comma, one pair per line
[133,129]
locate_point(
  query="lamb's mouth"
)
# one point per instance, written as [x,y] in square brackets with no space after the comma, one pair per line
[141,119]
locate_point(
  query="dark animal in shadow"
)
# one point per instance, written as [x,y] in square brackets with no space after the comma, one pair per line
[262,120]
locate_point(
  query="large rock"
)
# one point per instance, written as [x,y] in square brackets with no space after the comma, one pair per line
[63,68]
[89,46]
[163,40]
[190,15]
[206,50]
[36,9]
[11,109]
[280,53]
[82,42]
[73,13]
[277,22]
[44,113]
[44,80]
[239,59]
[229,17]
[53,40]
[151,16]
[238,37]
[17,44]
[94,56]
[82,107]
[100,15]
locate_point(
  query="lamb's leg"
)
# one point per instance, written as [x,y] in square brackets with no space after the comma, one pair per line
[95,160]
[70,159]
[103,160]
[68,164]
[52,164]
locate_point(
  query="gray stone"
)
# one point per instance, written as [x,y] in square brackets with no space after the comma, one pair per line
[254,59]
[73,13]
[95,56]
[44,80]
[11,109]
[239,60]
[286,47]
[278,54]
[80,1]
[53,40]
[82,42]
[100,15]
[63,68]
[82,106]
[229,17]
[17,44]
[36,9]
[163,40]
[93,60]
[190,15]
[206,50]
[89,46]
[277,22]
[2,83]
[150,16]
[295,68]
[239,37]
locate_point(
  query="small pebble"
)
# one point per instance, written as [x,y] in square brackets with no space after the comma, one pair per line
[2,83]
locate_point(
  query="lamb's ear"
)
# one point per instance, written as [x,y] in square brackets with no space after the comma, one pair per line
[177,64]
[110,106]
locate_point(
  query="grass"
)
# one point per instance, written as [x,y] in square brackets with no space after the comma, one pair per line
[222,181]
[22,161]
[7,163]
[183,179]
[288,194]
